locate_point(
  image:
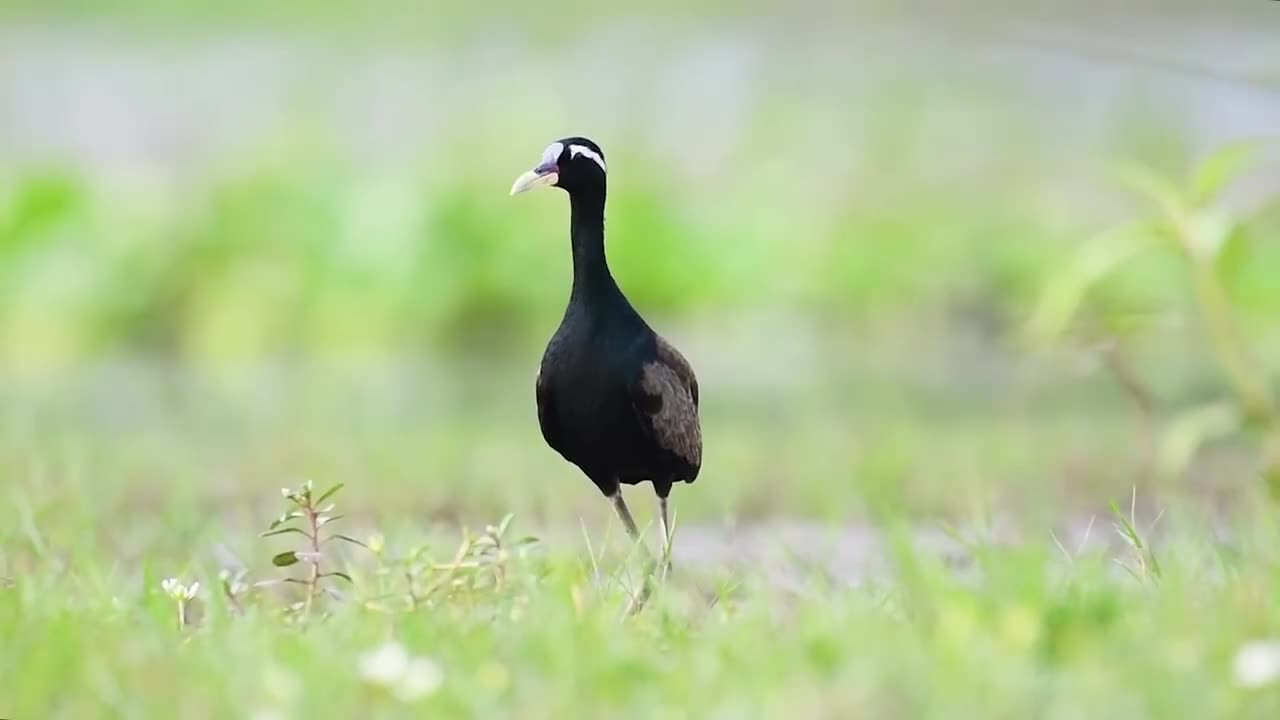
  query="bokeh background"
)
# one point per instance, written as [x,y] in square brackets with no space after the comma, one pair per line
[242,245]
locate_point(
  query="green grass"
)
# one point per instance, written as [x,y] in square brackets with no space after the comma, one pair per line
[1024,631]
[117,481]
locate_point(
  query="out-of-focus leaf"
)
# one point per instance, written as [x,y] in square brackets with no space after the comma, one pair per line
[37,204]
[348,538]
[327,493]
[1234,255]
[1154,187]
[1207,234]
[506,522]
[285,559]
[1066,290]
[282,531]
[1221,167]
[292,515]
[1191,430]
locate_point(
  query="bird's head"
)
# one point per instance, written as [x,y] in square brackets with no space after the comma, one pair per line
[572,164]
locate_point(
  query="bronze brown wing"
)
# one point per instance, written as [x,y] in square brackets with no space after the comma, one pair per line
[666,398]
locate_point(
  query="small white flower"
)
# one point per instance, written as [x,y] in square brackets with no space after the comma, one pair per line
[407,677]
[286,493]
[176,590]
[420,679]
[385,665]
[1257,663]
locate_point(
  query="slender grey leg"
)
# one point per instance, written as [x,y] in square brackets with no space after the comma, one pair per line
[621,506]
[666,536]
[646,588]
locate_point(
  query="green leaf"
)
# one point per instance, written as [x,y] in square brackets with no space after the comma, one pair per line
[1221,167]
[323,520]
[1156,188]
[1243,264]
[283,531]
[335,573]
[291,515]
[1065,292]
[285,559]
[348,538]
[1207,234]
[327,493]
[506,522]
[1125,528]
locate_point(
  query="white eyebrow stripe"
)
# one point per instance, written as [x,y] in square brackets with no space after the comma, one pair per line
[576,150]
[552,153]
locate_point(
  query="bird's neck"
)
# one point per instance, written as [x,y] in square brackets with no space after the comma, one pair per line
[591,276]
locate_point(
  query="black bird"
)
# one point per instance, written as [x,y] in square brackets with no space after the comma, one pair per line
[614,398]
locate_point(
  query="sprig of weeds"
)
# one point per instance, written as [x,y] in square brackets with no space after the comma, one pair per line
[1080,546]
[307,516]
[1186,218]
[480,563]
[1142,565]
[617,578]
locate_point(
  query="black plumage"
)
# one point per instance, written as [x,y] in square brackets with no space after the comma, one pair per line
[614,398]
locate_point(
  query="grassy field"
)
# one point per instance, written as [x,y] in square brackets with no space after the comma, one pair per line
[434,626]
[987,363]
[962,563]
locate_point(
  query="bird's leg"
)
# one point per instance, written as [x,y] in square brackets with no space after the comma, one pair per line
[621,506]
[646,588]
[666,536]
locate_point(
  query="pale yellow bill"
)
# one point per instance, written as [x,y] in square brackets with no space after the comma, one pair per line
[533,179]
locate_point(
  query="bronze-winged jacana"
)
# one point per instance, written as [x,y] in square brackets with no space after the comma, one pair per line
[614,398]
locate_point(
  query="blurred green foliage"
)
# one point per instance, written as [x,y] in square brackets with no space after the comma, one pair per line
[297,255]
[301,259]
[1187,220]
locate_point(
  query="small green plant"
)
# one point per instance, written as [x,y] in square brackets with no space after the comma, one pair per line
[1141,562]
[307,517]
[479,564]
[1188,219]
